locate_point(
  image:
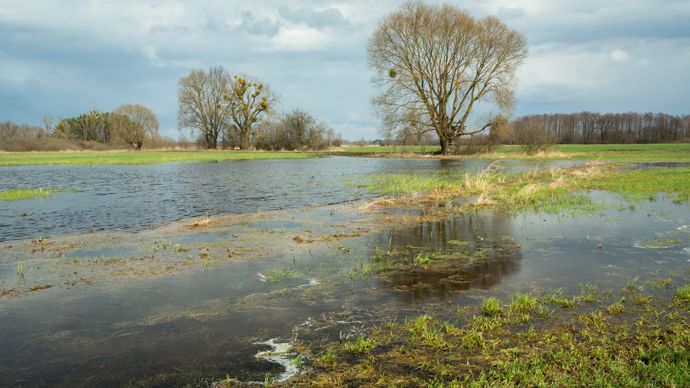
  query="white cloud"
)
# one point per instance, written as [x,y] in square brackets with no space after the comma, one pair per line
[619,55]
[300,38]
[313,53]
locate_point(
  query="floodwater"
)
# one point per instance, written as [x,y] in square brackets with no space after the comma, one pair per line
[176,305]
[137,197]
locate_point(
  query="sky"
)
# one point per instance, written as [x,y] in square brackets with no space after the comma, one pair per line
[63,58]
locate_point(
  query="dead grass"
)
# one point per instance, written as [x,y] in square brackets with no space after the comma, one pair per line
[202,223]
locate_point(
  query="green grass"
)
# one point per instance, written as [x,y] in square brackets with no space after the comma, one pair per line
[622,344]
[21,194]
[683,293]
[143,157]
[644,183]
[278,275]
[616,152]
[679,152]
[389,149]
[327,359]
[523,303]
[548,191]
[491,307]
[362,345]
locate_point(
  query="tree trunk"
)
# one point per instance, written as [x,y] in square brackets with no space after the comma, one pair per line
[244,139]
[447,146]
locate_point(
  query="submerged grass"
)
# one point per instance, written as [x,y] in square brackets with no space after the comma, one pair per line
[21,194]
[501,344]
[548,191]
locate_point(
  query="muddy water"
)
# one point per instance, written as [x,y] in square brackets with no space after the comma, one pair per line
[178,305]
[137,197]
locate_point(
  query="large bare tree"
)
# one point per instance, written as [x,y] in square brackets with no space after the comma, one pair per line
[249,102]
[134,124]
[442,63]
[202,106]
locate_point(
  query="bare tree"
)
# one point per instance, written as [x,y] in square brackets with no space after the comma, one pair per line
[249,102]
[202,106]
[134,124]
[440,61]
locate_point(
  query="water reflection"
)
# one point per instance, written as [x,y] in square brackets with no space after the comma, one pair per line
[466,251]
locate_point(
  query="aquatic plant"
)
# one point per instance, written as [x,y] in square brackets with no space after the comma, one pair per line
[21,194]
[20,271]
[277,275]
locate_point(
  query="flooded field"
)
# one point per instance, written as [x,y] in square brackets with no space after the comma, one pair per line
[279,266]
[137,197]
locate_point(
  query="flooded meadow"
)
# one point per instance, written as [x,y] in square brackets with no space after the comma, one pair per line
[251,272]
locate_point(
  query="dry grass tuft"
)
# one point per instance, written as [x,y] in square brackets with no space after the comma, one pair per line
[202,223]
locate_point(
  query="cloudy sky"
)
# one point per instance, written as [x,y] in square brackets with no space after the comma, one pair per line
[66,57]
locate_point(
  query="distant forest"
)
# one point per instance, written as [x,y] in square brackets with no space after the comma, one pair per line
[570,128]
[593,128]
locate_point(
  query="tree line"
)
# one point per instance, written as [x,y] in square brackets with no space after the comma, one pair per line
[132,124]
[240,112]
[592,128]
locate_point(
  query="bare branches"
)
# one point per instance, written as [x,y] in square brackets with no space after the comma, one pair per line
[201,103]
[438,62]
[249,101]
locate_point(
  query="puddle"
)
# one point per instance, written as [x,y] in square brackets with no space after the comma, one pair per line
[117,251]
[662,164]
[276,224]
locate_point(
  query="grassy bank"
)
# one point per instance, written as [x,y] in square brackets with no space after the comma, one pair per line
[143,157]
[536,340]
[540,190]
[21,194]
[615,152]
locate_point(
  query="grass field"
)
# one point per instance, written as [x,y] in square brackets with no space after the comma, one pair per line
[545,190]
[616,152]
[143,157]
[636,341]
[679,152]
